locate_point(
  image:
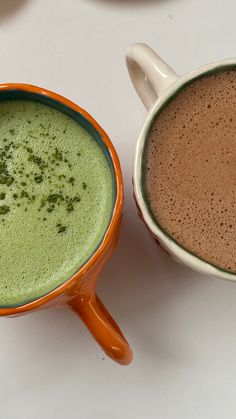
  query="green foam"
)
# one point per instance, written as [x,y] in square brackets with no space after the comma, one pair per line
[57,199]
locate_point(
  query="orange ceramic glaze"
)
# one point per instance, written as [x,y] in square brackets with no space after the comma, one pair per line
[79,292]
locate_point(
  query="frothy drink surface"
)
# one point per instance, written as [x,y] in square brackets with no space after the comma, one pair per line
[56,199]
[190,169]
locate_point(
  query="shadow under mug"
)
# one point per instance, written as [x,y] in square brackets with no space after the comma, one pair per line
[79,291]
[157,84]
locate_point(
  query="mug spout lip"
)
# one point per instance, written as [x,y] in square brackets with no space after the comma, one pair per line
[173,247]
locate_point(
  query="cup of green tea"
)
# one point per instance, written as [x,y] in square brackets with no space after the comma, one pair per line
[61,199]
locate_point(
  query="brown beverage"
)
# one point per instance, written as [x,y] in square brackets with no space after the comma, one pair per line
[190,169]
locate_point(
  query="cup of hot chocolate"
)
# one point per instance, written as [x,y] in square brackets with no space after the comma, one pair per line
[185,162]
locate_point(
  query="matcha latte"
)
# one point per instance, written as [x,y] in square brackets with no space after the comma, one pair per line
[56,199]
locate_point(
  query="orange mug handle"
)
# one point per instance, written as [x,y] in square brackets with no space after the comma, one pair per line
[103,327]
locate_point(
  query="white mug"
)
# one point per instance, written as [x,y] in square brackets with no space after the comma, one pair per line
[155,83]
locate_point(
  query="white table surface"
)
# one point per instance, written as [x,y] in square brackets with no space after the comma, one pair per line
[182,326]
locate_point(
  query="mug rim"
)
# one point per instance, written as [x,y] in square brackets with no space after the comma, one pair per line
[180,253]
[117,206]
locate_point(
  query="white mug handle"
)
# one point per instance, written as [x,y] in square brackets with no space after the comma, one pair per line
[150,75]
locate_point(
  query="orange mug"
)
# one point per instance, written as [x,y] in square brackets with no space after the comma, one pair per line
[79,292]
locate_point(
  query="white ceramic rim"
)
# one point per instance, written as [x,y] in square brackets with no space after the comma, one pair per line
[176,250]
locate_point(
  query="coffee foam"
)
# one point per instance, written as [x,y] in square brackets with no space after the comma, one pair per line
[190,169]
